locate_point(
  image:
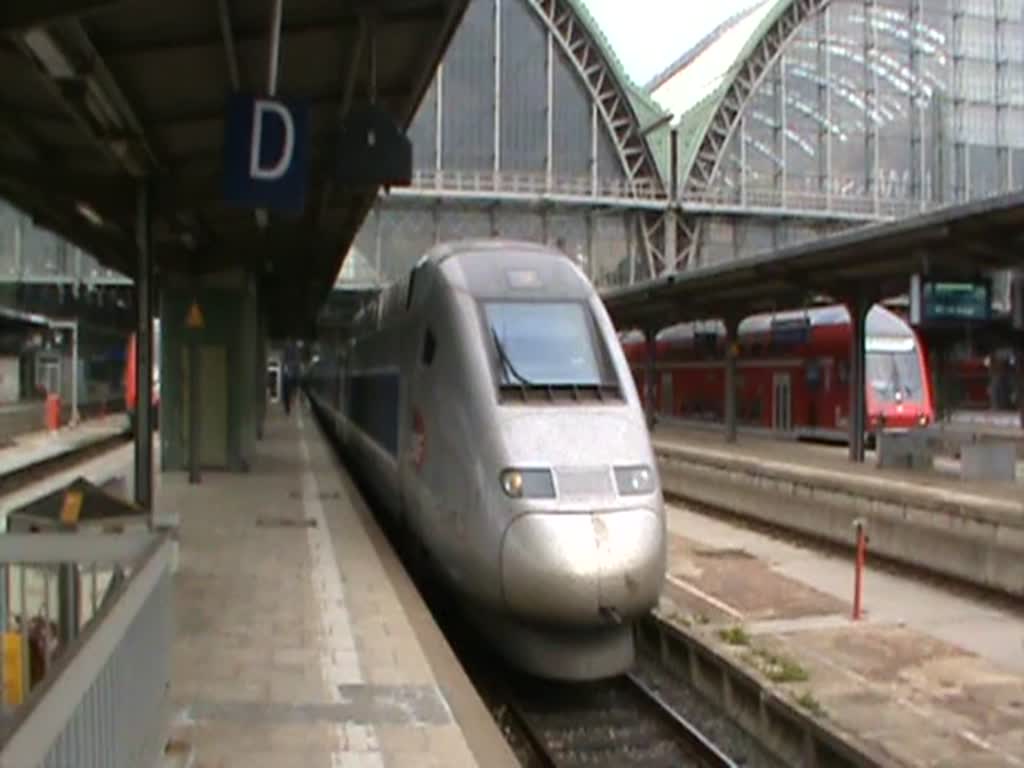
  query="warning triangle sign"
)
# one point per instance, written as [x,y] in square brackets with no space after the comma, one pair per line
[194,319]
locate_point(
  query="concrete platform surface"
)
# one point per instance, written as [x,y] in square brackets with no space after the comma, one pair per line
[927,678]
[300,640]
[37,447]
[832,460]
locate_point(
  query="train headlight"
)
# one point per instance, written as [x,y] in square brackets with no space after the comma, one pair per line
[528,483]
[512,483]
[634,481]
[923,419]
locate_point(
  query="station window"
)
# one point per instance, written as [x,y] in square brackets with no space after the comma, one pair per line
[429,347]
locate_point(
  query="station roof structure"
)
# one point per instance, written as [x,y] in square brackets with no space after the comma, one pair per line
[15,319]
[695,86]
[958,241]
[650,115]
[96,95]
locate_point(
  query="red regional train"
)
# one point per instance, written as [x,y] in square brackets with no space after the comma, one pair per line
[130,394]
[792,372]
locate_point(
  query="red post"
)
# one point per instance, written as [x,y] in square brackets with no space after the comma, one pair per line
[52,412]
[858,573]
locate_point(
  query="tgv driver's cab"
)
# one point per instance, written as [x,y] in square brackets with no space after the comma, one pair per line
[549,348]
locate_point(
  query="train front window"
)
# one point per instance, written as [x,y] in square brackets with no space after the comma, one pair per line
[894,376]
[547,344]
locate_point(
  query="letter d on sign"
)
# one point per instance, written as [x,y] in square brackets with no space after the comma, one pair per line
[266,152]
[261,109]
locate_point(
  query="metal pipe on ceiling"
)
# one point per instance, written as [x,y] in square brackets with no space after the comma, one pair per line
[229,43]
[275,46]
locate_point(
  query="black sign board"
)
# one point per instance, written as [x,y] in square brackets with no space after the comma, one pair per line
[956,302]
[373,150]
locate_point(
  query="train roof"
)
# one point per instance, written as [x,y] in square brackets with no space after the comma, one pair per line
[880,322]
[486,268]
[482,245]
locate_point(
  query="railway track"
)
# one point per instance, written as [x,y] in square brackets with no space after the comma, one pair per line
[614,723]
[21,478]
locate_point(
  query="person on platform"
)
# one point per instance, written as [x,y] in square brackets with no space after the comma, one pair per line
[287,386]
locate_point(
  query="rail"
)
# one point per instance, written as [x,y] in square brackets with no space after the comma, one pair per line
[85,685]
[620,721]
[33,468]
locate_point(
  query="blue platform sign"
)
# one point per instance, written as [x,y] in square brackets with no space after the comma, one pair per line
[266,152]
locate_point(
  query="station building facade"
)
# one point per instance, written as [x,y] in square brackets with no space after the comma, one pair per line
[797,118]
[793,119]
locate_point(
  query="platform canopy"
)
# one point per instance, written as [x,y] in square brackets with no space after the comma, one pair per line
[962,241]
[96,95]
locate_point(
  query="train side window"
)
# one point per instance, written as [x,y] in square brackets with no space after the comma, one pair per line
[429,347]
[841,371]
[412,284]
[813,375]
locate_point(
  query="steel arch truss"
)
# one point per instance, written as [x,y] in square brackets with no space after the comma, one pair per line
[744,84]
[612,102]
[607,93]
[727,119]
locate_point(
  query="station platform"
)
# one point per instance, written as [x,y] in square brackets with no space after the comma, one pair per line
[970,531]
[833,458]
[926,678]
[967,426]
[300,639]
[40,446]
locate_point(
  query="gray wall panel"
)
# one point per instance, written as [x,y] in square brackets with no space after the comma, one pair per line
[467,135]
[523,84]
[571,127]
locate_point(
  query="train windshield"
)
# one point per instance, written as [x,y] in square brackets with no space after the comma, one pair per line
[894,376]
[547,344]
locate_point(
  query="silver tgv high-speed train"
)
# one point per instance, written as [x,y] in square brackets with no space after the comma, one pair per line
[487,402]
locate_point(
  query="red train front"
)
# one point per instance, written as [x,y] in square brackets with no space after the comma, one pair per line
[130,394]
[793,372]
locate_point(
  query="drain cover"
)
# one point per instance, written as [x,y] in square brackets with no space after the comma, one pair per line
[723,552]
[286,522]
[321,496]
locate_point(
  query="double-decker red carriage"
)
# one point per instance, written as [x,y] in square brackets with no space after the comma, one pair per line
[793,372]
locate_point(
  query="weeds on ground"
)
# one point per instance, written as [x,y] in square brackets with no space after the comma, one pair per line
[811,704]
[734,636]
[777,668]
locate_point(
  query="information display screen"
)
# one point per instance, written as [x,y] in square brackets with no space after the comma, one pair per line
[955,301]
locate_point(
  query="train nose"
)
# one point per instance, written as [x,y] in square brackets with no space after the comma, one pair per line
[583,569]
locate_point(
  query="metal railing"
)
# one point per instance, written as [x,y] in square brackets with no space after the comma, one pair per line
[524,183]
[866,207]
[87,666]
[799,203]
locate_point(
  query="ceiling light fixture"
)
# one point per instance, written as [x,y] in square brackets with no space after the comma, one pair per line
[89,213]
[48,53]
